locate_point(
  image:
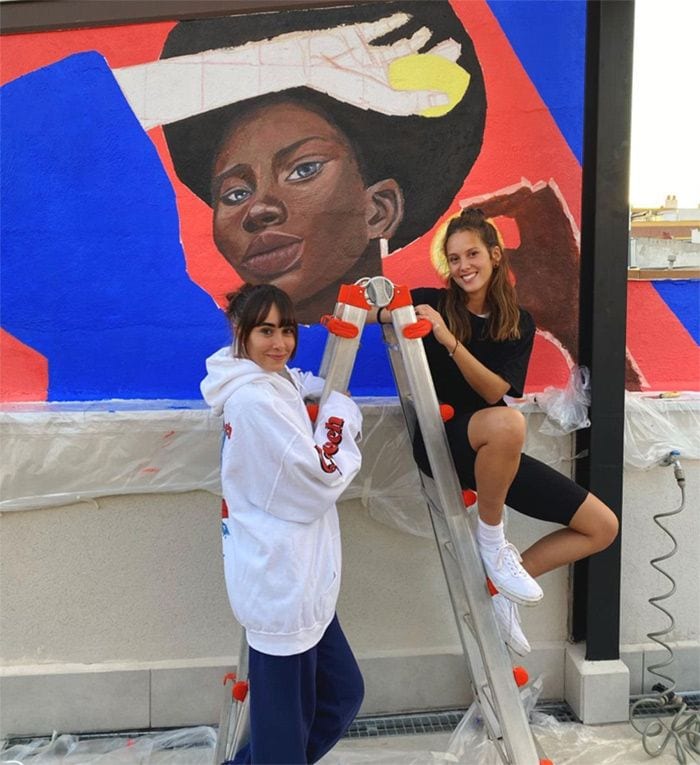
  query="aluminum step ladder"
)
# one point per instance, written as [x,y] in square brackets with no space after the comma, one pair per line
[493,680]
[345,327]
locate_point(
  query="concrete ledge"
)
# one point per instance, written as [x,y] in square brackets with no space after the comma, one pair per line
[597,691]
[633,658]
[409,682]
[548,660]
[684,669]
[185,695]
[38,699]
[73,702]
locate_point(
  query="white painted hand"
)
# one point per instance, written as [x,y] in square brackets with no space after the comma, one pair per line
[340,62]
[347,67]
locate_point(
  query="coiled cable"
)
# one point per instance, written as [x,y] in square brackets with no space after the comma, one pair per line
[682,727]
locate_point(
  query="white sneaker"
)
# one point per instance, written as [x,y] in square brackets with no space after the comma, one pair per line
[508,620]
[503,568]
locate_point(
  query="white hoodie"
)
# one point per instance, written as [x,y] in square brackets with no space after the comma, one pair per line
[281,479]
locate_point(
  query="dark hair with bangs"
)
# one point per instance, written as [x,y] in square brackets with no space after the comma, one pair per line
[501,300]
[249,306]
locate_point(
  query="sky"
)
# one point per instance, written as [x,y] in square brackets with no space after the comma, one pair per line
[665,151]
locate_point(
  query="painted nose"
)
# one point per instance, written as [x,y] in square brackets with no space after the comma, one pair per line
[263,213]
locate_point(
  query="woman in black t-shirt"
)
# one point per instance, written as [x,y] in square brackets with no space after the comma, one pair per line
[478,352]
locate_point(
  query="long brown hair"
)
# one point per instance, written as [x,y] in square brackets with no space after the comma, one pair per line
[501,301]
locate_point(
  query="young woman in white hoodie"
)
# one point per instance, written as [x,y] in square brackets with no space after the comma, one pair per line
[281,477]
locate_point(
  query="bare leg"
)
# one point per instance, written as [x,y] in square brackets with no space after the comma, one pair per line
[497,436]
[592,529]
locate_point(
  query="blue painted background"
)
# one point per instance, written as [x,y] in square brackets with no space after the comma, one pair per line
[93,273]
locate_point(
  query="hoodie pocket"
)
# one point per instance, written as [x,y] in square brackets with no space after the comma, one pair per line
[327,585]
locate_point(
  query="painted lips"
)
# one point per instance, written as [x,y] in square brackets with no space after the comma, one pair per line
[271,254]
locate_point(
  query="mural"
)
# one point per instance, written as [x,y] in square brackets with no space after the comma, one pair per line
[364,150]
[148,169]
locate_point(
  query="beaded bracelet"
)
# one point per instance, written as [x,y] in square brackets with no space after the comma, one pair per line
[454,350]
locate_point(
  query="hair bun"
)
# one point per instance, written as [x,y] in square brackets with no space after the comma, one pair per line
[472,215]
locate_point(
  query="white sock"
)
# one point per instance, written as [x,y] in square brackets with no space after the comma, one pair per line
[488,535]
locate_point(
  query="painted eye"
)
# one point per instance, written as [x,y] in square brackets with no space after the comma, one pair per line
[305,170]
[236,195]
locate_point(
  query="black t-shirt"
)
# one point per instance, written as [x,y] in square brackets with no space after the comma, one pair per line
[508,359]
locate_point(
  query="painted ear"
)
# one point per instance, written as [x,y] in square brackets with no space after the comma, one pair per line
[384,202]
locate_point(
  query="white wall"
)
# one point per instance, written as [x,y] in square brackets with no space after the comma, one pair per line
[655,253]
[113,612]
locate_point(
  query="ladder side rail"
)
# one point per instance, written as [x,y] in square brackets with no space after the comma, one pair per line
[516,731]
[480,679]
[453,576]
[223,735]
[342,351]
[234,723]
[330,349]
[477,677]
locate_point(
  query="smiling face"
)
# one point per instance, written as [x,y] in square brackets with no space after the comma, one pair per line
[471,265]
[290,205]
[271,344]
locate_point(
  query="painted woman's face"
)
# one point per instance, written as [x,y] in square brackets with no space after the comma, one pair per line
[289,203]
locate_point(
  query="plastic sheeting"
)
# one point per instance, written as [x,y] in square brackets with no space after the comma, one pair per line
[655,426]
[54,455]
[566,408]
[186,746]
[563,743]
[57,455]
[388,484]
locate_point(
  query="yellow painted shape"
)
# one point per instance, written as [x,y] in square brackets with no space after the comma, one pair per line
[424,71]
[437,249]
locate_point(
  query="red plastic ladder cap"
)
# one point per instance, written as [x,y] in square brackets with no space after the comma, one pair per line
[447,412]
[240,690]
[420,328]
[521,676]
[312,409]
[339,327]
[469,497]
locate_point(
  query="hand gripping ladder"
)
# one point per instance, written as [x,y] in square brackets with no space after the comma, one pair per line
[493,679]
[345,328]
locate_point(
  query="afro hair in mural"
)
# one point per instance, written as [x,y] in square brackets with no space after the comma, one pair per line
[429,158]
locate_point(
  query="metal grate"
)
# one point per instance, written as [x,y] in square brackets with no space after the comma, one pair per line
[444,721]
[559,710]
[441,721]
[650,709]
[405,724]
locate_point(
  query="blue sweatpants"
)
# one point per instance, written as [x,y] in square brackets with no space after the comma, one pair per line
[301,705]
